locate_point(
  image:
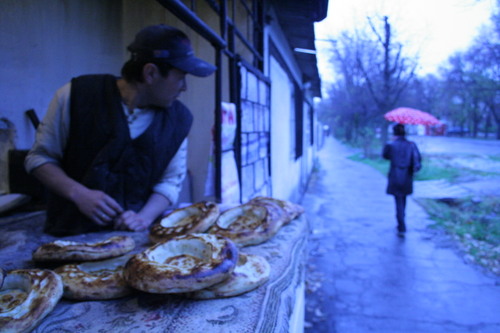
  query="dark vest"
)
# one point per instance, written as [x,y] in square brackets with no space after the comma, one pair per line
[101,155]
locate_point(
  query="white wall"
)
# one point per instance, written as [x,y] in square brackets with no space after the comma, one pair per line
[287,173]
[307,155]
[285,170]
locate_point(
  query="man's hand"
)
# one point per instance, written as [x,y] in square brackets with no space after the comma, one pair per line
[130,220]
[140,221]
[97,206]
[153,208]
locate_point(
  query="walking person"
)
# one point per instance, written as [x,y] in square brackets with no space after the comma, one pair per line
[405,161]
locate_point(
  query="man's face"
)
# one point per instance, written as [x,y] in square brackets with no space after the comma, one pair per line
[165,90]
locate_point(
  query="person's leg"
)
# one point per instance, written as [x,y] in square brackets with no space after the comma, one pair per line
[400,212]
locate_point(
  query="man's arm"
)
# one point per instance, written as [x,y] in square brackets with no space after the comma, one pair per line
[52,133]
[96,205]
[416,158]
[165,194]
[386,154]
[43,162]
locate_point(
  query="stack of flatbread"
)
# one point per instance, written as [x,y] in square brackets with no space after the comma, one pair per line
[196,252]
[99,273]
[191,219]
[255,221]
[28,295]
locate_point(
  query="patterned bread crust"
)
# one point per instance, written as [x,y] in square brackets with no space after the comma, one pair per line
[95,280]
[182,264]
[248,224]
[26,297]
[62,250]
[292,210]
[191,219]
[2,276]
[251,272]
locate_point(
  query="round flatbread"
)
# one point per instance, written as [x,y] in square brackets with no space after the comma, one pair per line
[26,297]
[95,280]
[182,264]
[292,210]
[63,250]
[251,272]
[248,224]
[191,219]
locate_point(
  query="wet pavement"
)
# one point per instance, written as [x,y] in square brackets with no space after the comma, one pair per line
[362,277]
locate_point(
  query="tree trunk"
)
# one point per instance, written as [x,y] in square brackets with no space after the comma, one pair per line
[487,126]
[384,135]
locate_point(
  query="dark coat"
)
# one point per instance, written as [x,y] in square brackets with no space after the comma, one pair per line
[405,160]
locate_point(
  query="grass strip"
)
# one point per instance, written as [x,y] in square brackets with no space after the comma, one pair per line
[432,168]
[474,221]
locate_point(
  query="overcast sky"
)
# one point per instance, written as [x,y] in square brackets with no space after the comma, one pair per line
[432,28]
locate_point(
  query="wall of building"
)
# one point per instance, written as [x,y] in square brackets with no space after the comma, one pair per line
[44,44]
[306,160]
[284,168]
[289,175]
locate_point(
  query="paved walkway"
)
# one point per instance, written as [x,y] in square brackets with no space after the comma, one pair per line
[362,277]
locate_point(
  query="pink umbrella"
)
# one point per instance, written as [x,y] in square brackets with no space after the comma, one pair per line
[411,116]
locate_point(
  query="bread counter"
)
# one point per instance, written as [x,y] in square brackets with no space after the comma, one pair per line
[277,306]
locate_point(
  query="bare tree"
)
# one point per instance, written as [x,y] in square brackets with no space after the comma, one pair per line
[387,81]
[473,82]
[372,72]
[351,100]
[483,59]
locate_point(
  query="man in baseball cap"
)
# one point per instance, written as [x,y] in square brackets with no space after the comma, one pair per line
[112,150]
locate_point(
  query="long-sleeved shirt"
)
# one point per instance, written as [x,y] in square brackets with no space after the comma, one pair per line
[53,133]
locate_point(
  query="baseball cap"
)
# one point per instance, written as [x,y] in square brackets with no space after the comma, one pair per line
[163,43]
